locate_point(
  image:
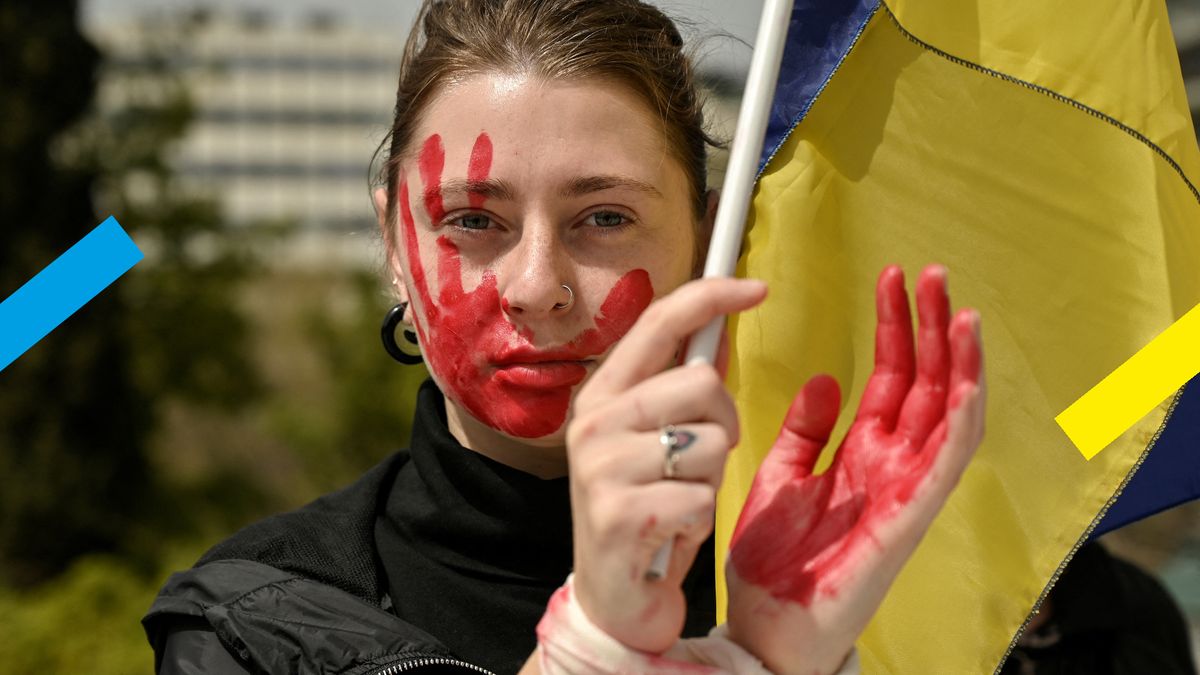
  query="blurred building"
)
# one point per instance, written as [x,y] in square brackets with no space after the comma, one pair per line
[288,113]
[291,106]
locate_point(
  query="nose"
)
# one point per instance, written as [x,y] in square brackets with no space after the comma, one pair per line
[538,272]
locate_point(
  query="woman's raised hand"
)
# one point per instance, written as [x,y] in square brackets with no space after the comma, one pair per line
[623,507]
[812,556]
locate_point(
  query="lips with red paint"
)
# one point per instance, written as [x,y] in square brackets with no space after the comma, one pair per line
[547,375]
[528,367]
[524,366]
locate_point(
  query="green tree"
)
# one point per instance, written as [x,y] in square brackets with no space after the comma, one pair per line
[77,410]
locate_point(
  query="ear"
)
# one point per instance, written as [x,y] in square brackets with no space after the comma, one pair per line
[711,198]
[392,249]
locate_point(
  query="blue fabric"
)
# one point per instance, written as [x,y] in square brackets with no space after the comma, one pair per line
[821,33]
[1170,474]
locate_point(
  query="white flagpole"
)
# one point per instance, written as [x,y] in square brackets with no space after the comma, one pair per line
[744,156]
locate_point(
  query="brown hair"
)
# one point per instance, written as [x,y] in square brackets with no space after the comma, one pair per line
[626,41]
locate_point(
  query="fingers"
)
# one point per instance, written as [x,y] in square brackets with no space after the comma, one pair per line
[966,404]
[699,454]
[894,366]
[680,509]
[620,443]
[693,393]
[925,404]
[807,426]
[680,396]
[649,346]
[633,525]
[723,354]
[966,346]
[702,450]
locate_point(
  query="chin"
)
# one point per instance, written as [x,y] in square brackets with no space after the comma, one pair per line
[534,418]
[555,439]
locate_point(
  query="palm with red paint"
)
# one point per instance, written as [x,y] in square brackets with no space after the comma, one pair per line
[813,555]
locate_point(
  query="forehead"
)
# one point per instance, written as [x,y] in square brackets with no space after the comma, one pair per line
[542,129]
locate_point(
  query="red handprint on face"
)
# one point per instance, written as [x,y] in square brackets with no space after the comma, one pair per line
[465,334]
[821,550]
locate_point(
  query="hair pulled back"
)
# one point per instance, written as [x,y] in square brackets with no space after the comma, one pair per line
[626,41]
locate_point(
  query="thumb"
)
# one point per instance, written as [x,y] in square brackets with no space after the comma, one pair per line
[807,426]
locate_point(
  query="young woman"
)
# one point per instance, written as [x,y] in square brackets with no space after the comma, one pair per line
[545,211]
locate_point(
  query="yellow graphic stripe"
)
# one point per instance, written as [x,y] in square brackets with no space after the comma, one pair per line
[1135,388]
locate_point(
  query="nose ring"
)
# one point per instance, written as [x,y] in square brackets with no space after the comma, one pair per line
[570,299]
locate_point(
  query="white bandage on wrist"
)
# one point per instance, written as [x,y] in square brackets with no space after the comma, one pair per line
[719,652]
[727,656]
[570,644]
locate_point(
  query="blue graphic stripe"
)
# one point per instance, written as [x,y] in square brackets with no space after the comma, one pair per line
[821,34]
[66,284]
[1170,474]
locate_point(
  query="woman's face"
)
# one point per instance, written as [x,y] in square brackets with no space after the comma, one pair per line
[514,187]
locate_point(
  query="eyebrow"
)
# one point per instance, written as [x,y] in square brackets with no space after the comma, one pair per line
[501,190]
[489,188]
[582,186]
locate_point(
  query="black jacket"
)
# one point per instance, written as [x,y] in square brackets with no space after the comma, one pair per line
[295,593]
[308,592]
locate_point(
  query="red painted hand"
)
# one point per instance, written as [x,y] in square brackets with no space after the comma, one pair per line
[812,556]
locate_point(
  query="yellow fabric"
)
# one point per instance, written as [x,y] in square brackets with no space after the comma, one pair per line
[1117,56]
[1076,241]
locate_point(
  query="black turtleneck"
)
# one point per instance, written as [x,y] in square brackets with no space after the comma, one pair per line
[472,549]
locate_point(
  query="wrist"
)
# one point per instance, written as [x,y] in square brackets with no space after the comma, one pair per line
[570,644]
[786,640]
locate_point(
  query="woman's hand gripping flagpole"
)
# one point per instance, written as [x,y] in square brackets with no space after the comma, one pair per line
[741,171]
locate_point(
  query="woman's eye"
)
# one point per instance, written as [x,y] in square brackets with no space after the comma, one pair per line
[473,222]
[607,219]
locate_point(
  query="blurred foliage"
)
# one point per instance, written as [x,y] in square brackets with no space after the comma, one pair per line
[202,390]
[366,414]
[77,410]
[86,622]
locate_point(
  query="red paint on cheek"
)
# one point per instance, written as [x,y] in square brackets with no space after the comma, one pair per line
[466,332]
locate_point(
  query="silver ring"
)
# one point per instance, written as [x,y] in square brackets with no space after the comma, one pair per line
[570,299]
[670,442]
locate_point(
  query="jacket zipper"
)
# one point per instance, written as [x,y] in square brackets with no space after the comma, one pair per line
[423,661]
[1037,606]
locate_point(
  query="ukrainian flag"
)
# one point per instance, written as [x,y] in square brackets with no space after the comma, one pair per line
[1042,151]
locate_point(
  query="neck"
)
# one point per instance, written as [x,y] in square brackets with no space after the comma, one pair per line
[544,461]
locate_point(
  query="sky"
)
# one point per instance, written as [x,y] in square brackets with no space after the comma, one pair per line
[708,18]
